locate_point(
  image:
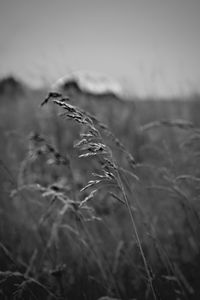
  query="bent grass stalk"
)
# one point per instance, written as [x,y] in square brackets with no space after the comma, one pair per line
[93,143]
[136,235]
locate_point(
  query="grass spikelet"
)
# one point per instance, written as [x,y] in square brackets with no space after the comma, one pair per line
[88,198]
[94,148]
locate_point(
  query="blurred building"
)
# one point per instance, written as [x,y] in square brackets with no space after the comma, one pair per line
[89,85]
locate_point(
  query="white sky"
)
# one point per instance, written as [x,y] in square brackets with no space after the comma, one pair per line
[153,46]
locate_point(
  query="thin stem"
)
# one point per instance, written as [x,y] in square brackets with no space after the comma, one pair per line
[136,235]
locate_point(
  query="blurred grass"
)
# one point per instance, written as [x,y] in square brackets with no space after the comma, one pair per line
[81,257]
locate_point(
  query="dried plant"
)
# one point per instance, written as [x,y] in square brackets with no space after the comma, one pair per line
[93,144]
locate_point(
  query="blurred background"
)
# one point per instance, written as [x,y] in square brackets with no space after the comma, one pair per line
[151,47]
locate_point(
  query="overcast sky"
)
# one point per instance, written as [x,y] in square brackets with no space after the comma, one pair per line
[152,46]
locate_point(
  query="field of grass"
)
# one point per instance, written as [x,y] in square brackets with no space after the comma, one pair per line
[99,198]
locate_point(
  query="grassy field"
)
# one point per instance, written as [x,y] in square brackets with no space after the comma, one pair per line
[99,198]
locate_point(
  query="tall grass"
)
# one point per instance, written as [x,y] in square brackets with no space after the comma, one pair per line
[88,216]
